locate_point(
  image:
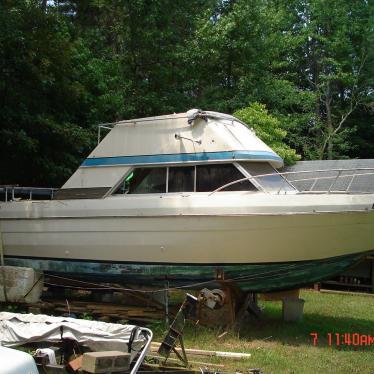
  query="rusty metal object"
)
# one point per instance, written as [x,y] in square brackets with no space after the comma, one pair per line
[212,299]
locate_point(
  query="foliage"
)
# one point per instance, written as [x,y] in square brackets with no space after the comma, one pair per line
[268,129]
[41,104]
[68,65]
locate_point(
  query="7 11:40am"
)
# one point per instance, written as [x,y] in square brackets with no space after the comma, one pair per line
[346,339]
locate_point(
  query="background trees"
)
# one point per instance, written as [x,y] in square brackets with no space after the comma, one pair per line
[303,68]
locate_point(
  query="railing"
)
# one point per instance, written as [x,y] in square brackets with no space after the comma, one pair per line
[339,176]
[12,193]
[345,177]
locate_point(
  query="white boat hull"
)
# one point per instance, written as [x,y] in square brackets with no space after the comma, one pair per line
[237,232]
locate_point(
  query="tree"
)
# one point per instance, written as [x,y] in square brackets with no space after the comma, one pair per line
[68,65]
[51,92]
[332,56]
[242,51]
[268,129]
[147,41]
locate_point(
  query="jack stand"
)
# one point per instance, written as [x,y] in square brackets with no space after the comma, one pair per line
[175,333]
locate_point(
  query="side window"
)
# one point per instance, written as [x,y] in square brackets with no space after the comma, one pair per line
[181,179]
[206,178]
[144,180]
[211,177]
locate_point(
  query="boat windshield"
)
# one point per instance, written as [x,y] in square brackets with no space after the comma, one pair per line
[194,178]
[270,183]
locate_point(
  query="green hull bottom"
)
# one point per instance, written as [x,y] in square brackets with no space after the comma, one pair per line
[266,277]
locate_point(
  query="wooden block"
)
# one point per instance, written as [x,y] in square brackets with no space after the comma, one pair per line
[317,286]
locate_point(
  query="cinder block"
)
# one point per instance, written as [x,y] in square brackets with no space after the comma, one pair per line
[21,281]
[106,362]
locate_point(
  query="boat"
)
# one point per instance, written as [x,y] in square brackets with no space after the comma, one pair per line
[187,200]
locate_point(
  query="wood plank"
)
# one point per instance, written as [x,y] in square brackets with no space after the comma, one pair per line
[201,352]
[278,296]
[161,358]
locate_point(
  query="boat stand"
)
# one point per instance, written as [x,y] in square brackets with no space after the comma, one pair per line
[292,304]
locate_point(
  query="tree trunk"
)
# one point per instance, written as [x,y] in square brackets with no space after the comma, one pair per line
[330,128]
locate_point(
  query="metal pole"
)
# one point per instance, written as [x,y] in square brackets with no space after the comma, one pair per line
[166,300]
[333,183]
[313,185]
[282,185]
[2,266]
[350,184]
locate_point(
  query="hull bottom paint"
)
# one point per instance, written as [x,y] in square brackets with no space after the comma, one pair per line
[265,277]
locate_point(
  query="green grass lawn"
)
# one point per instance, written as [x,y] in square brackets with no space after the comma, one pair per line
[281,347]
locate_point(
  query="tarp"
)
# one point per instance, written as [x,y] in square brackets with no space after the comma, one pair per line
[18,329]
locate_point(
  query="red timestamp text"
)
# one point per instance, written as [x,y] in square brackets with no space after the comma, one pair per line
[344,339]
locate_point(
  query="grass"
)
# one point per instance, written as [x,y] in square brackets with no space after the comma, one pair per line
[281,347]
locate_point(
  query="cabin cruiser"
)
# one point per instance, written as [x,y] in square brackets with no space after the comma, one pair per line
[184,197]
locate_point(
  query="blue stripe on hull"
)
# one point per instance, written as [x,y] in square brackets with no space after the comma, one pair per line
[249,277]
[182,157]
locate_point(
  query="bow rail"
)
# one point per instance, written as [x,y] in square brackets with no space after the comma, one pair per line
[338,177]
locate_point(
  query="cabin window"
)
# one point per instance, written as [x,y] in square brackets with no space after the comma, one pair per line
[271,183]
[144,180]
[211,177]
[181,179]
[199,178]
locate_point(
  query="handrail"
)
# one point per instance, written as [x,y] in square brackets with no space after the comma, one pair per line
[238,181]
[13,190]
[315,179]
[16,189]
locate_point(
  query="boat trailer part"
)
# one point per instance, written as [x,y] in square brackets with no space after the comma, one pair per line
[212,299]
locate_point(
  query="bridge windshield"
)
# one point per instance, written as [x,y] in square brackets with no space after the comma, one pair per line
[270,183]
